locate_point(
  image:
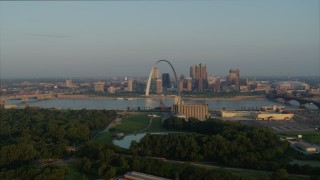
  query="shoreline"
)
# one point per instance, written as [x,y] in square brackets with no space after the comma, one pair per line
[235,98]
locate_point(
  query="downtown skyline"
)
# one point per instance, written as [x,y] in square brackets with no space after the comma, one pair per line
[104,39]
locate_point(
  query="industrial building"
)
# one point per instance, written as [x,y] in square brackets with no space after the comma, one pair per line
[198,111]
[257,115]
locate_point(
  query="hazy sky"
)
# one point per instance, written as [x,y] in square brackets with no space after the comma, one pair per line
[109,38]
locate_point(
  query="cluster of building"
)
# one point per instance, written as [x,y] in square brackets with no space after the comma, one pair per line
[200,81]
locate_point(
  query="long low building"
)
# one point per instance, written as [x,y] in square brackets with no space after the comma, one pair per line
[274,116]
[257,115]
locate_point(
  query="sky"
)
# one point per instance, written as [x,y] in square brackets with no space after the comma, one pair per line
[125,38]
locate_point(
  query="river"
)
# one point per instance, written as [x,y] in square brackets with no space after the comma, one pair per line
[150,103]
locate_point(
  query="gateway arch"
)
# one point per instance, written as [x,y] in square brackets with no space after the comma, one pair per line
[150,76]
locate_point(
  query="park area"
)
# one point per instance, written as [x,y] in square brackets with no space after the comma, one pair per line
[139,123]
[132,124]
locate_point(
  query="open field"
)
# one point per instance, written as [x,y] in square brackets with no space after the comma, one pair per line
[309,136]
[140,122]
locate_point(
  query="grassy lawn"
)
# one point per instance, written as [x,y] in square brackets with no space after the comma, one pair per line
[104,137]
[139,122]
[309,136]
[156,126]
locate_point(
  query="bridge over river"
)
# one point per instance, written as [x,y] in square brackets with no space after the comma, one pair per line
[302,102]
[25,98]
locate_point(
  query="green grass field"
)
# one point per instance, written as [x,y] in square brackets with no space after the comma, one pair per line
[139,122]
[132,124]
[309,136]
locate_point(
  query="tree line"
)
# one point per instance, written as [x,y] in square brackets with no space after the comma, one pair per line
[226,143]
[103,160]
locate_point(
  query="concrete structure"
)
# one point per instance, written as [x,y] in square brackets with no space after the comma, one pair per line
[130,85]
[159,88]
[99,86]
[199,111]
[141,176]
[69,83]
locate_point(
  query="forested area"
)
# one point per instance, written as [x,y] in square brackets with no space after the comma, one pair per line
[102,160]
[226,143]
[30,134]
[244,147]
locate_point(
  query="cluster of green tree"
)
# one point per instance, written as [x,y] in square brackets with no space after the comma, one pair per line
[244,149]
[42,133]
[101,160]
[229,143]
[27,172]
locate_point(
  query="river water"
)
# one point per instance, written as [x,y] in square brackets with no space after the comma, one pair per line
[150,103]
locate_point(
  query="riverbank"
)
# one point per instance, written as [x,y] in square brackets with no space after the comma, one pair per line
[233,98]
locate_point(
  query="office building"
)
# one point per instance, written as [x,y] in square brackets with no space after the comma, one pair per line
[111,89]
[159,88]
[233,79]
[166,80]
[181,85]
[99,86]
[189,84]
[199,76]
[130,85]
[155,73]
[69,83]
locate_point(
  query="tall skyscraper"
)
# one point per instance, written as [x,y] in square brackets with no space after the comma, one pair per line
[217,85]
[181,83]
[166,80]
[159,88]
[233,78]
[199,76]
[130,85]
[193,71]
[189,84]
[155,73]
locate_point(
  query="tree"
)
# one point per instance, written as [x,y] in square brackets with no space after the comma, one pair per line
[280,174]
